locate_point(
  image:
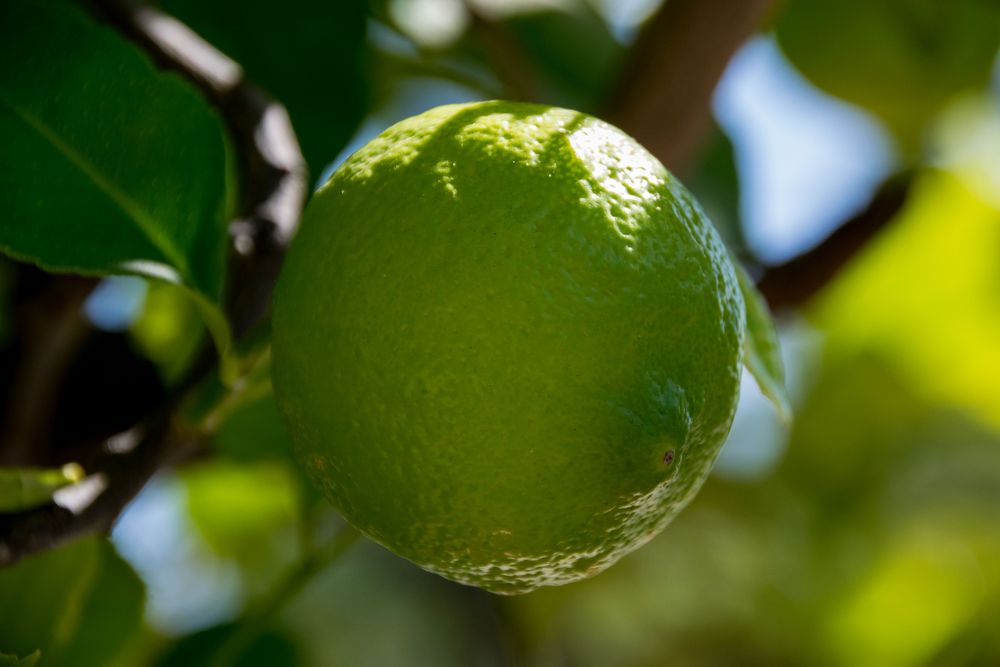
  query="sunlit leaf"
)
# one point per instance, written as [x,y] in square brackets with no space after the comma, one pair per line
[919,595]
[250,514]
[926,296]
[21,488]
[168,330]
[762,354]
[108,165]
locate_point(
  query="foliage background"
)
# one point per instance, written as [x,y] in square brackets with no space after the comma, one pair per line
[864,533]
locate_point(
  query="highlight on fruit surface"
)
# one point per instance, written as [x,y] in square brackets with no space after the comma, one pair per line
[508,343]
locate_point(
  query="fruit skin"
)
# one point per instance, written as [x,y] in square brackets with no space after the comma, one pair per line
[507,343]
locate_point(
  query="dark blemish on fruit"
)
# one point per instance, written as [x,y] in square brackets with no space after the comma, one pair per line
[668,458]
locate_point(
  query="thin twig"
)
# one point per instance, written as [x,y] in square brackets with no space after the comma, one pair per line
[122,475]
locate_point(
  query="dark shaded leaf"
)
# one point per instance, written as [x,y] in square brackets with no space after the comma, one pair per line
[13,661]
[226,645]
[573,50]
[110,618]
[902,59]
[44,597]
[715,183]
[309,54]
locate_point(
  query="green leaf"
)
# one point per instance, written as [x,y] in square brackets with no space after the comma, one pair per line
[247,513]
[22,488]
[108,165]
[574,52]
[80,604]
[309,54]
[111,615]
[168,330]
[234,645]
[42,598]
[902,59]
[762,354]
[13,661]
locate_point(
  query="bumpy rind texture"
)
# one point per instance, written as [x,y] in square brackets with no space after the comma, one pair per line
[507,343]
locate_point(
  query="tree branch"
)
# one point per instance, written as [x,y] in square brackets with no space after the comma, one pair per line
[664,101]
[128,463]
[664,96]
[793,283]
[51,329]
[274,191]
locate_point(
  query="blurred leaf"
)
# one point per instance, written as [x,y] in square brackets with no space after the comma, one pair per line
[850,432]
[168,330]
[110,617]
[308,53]
[227,646]
[717,587]
[350,611]
[109,166]
[902,59]
[21,488]
[44,597]
[13,661]
[715,183]
[253,433]
[927,584]
[79,604]
[574,52]
[762,354]
[926,296]
[249,513]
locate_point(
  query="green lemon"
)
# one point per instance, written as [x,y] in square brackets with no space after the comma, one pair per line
[507,343]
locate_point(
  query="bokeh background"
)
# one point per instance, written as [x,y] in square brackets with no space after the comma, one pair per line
[866,532]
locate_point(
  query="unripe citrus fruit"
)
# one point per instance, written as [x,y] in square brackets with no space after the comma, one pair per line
[507,343]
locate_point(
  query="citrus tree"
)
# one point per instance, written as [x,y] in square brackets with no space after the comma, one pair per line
[502,340]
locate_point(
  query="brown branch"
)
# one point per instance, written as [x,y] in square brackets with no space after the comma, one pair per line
[123,472]
[664,95]
[792,284]
[275,188]
[664,101]
[51,329]
[274,176]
